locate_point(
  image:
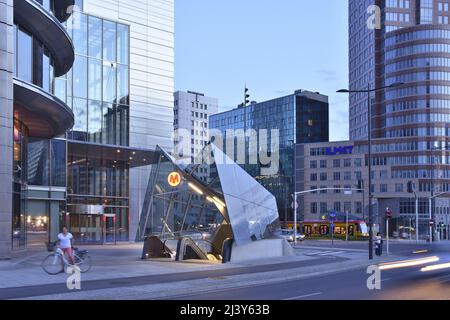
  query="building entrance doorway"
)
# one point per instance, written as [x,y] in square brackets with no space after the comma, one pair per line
[109,229]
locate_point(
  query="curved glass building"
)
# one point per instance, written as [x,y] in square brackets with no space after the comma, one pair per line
[410,123]
[34,49]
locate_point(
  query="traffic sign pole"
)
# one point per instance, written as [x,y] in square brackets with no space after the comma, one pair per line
[388,217]
[387,236]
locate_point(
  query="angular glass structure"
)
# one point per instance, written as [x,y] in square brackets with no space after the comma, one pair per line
[180,204]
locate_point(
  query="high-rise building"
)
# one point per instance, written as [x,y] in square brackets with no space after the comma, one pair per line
[121,89]
[83,149]
[301,117]
[409,122]
[191,114]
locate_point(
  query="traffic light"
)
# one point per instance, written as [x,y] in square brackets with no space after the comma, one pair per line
[246,97]
[411,187]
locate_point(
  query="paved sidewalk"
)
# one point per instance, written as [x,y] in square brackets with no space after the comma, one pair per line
[118,273]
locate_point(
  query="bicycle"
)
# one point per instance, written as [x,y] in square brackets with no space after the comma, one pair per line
[56,262]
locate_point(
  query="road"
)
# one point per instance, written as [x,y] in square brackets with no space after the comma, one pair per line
[399,284]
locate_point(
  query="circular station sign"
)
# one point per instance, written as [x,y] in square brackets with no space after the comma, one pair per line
[174,179]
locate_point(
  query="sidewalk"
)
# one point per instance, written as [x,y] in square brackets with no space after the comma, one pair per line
[140,279]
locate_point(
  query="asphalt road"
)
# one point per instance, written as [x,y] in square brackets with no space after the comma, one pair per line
[399,284]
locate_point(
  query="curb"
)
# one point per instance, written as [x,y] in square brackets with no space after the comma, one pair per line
[330,248]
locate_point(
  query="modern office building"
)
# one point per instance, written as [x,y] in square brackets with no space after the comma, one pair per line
[121,91]
[341,167]
[191,116]
[34,49]
[410,122]
[118,97]
[301,117]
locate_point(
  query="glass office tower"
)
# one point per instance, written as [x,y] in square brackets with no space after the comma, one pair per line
[97,89]
[301,117]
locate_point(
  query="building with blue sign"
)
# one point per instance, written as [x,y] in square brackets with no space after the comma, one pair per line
[339,171]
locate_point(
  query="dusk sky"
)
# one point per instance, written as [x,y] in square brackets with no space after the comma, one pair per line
[275,47]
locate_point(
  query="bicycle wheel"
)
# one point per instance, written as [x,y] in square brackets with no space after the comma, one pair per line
[53,264]
[84,263]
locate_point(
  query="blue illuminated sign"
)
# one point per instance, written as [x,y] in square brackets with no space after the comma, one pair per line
[339,150]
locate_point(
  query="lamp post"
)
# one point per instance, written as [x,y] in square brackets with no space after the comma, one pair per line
[368,91]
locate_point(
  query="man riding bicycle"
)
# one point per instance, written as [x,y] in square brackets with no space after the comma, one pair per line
[65,242]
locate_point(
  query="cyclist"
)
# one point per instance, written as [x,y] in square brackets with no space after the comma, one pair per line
[65,242]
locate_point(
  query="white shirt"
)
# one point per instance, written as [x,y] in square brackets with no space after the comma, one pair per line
[65,240]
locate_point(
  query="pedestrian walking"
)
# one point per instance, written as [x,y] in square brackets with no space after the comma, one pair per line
[378,245]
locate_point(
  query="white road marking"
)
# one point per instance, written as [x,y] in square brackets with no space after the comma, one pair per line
[324,253]
[316,253]
[331,253]
[304,296]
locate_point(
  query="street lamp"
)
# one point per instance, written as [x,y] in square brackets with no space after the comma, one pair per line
[369,90]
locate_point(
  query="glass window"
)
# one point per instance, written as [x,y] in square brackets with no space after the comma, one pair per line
[95,37]
[122,125]
[79,4]
[38,52]
[24,55]
[79,35]
[123,84]
[95,79]
[95,121]
[80,77]
[80,126]
[60,89]
[122,44]
[108,124]
[58,163]
[38,162]
[46,72]
[347,163]
[109,83]
[109,41]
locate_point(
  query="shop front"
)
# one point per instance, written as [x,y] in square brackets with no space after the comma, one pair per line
[97,224]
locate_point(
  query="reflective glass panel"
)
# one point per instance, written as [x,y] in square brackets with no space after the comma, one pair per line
[109,83]
[60,88]
[95,37]
[80,126]
[80,77]
[95,121]
[46,72]
[79,34]
[109,41]
[108,124]
[95,79]
[58,175]
[122,44]
[123,84]
[24,56]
